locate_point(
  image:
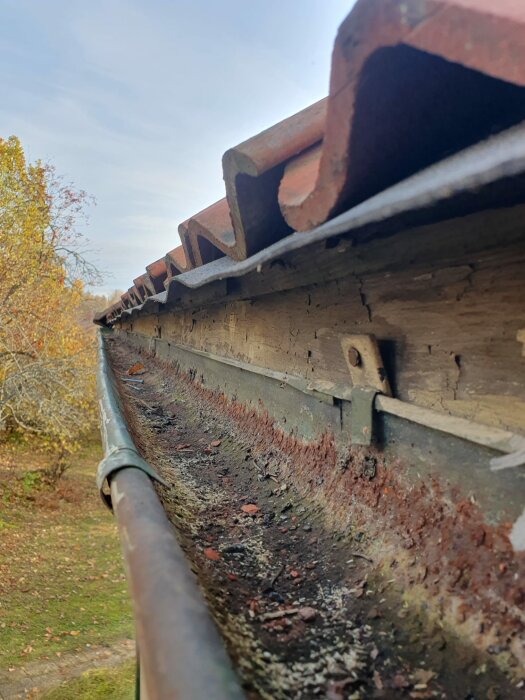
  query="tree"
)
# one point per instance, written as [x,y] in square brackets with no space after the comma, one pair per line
[114,296]
[47,358]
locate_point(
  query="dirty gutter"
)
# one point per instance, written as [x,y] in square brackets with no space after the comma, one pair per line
[181,653]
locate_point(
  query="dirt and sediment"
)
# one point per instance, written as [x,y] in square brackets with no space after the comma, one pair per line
[327,574]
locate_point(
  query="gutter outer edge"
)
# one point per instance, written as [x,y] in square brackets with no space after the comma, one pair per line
[181,652]
[119,449]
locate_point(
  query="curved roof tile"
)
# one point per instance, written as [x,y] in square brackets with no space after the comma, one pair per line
[406,77]
[412,82]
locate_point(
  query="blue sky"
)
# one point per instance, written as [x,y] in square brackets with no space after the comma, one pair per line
[135,101]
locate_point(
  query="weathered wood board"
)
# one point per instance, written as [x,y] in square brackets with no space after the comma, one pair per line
[446,302]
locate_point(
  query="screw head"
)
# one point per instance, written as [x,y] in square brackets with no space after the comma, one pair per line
[354,358]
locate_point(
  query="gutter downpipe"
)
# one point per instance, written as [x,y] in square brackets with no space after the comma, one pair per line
[181,654]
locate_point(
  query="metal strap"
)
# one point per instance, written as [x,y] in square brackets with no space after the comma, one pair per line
[362,415]
[121,458]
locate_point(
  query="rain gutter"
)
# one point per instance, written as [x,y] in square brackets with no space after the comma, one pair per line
[181,653]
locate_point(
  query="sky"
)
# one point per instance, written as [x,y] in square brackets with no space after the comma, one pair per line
[135,101]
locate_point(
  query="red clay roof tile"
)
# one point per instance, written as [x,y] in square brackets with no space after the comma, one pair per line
[144,286]
[114,311]
[134,296]
[209,234]
[252,171]
[411,82]
[176,262]
[126,301]
[157,268]
[157,272]
[407,77]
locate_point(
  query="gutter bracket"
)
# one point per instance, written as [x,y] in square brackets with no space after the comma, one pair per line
[369,378]
[362,423]
[121,458]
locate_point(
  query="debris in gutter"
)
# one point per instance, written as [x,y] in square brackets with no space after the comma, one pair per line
[277,614]
[307,614]
[250,508]
[349,635]
[183,446]
[269,583]
[361,556]
[517,534]
[212,554]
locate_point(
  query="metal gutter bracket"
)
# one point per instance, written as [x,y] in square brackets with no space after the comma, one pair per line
[369,378]
[121,458]
[362,425]
[479,434]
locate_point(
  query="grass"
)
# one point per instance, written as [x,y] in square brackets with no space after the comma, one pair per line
[62,585]
[108,684]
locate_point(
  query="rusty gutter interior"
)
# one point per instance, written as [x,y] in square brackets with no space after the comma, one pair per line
[309,599]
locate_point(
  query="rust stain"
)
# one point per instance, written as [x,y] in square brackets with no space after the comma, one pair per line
[429,535]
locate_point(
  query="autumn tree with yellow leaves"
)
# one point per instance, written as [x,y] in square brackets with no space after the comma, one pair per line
[47,357]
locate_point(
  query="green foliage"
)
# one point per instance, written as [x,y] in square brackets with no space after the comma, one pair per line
[60,569]
[30,480]
[104,684]
[47,357]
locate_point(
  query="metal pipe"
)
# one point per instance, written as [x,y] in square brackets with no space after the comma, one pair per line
[181,653]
